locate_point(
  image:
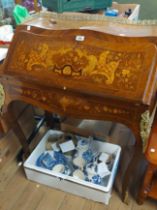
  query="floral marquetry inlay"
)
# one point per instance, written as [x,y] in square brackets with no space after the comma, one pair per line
[114,69]
[67,103]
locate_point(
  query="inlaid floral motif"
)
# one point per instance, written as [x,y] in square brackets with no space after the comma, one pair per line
[67,103]
[101,66]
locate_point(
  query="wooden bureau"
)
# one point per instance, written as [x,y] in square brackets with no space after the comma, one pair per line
[74,66]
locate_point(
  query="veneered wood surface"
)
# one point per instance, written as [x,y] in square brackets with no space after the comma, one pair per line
[103,77]
[99,65]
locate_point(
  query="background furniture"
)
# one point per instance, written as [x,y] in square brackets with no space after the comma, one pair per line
[72,5]
[148,9]
[149,183]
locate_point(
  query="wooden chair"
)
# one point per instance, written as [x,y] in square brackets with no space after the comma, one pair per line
[149,184]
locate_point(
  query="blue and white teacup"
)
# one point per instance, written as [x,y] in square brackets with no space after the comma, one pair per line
[79,174]
[91,170]
[82,145]
[79,162]
[88,156]
[96,179]
[58,168]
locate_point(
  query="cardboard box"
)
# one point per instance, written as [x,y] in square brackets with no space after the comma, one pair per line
[68,183]
[124,7]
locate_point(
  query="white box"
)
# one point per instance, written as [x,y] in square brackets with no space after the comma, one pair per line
[68,183]
[124,7]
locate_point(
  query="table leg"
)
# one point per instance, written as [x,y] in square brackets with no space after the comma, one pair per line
[145,188]
[2,131]
[20,135]
[54,121]
[49,120]
[129,172]
[9,121]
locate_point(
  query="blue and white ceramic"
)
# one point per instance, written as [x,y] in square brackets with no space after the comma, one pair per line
[68,170]
[82,145]
[96,179]
[104,157]
[79,174]
[58,168]
[102,170]
[45,160]
[55,147]
[91,170]
[88,156]
[60,158]
[79,162]
[50,159]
